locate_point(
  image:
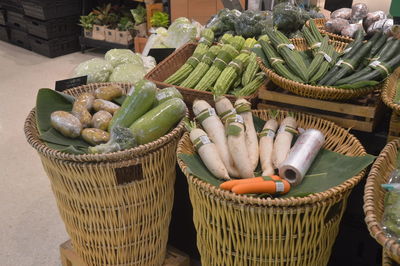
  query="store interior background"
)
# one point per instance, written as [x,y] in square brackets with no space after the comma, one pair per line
[31,229]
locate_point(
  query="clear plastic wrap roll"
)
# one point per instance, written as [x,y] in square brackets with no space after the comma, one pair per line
[300,157]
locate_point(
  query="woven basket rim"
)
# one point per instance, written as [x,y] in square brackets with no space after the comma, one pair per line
[375,226]
[32,136]
[389,101]
[281,202]
[185,89]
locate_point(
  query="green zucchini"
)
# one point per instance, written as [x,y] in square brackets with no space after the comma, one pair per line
[166,94]
[158,121]
[137,103]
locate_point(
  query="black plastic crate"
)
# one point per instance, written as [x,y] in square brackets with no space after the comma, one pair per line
[55,47]
[3,17]
[12,5]
[17,21]
[4,36]
[19,38]
[49,9]
[53,28]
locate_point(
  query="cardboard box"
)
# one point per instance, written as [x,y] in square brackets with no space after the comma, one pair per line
[199,10]
[111,35]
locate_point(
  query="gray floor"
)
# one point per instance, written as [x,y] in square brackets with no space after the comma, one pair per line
[30,227]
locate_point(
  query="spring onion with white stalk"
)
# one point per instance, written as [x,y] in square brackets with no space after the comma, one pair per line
[267,136]
[207,151]
[283,140]
[243,108]
[211,123]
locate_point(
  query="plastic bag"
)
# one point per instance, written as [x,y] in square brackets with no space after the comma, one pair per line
[344,13]
[288,17]
[97,70]
[122,56]
[224,21]
[251,23]
[156,40]
[359,12]
[381,25]
[391,214]
[336,25]
[148,63]
[180,32]
[350,30]
[131,73]
[373,17]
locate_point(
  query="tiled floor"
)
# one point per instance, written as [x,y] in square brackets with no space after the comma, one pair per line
[30,227]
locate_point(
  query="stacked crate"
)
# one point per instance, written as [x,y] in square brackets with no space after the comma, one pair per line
[47,27]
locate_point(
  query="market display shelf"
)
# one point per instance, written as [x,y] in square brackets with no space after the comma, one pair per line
[92,43]
[49,9]
[361,114]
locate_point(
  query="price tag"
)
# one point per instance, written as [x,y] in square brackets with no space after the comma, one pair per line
[211,111]
[290,46]
[327,58]
[271,133]
[239,119]
[62,85]
[375,63]
[280,187]
[339,62]
[204,139]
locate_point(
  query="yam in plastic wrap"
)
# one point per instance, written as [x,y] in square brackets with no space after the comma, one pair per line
[358,12]
[373,17]
[344,13]
[350,30]
[381,25]
[336,25]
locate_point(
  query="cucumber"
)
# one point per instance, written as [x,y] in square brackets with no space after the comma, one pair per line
[137,103]
[378,45]
[158,121]
[166,94]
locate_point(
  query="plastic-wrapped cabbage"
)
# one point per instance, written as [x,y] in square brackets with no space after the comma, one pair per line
[122,56]
[128,73]
[180,32]
[148,63]
[97,70]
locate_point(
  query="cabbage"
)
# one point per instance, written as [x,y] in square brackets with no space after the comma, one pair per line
[97,70]
[131,73]
[180,32]
[148,63]
[122,56]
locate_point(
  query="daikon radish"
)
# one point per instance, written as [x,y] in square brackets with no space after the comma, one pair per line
[267,136]
[228,185]
[237,146]
[208,153]
[283,140]
[271,187]
[243,108]
[224,108]
[211,123]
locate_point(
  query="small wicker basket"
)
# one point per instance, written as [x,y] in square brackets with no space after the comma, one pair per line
[374,196]
[317,92]
[243,230]
[320,23]
[172,63]
[117,206]
[389,90]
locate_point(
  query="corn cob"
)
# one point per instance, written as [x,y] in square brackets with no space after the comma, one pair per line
[229,74]
[201,68]
[251,69]
[252,86]
[224,56]
[207,37]
[292,57]
[276,61]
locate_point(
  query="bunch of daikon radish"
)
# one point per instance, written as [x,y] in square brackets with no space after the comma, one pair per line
[229,145]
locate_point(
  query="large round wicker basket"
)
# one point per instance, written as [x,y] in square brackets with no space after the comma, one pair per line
[374,196]
[311,91]
[389,90]
[116,207]
[242,230]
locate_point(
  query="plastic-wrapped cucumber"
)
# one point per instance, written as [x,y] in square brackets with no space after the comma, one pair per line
[158,121]
[166,94]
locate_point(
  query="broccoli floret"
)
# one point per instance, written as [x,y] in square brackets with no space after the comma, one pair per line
[121,139]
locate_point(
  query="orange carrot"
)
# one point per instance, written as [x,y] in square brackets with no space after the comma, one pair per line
[270,187]
[228,185]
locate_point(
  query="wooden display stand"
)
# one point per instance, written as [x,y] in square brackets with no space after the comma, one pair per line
[174,257]
[151,9]
[361,114]
[139,44]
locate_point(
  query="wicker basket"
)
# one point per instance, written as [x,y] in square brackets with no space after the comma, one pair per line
[320,23]
[389,90]
[116,207]
[374,196]
[172,63]
[387,261]
[317,92]
[242,230]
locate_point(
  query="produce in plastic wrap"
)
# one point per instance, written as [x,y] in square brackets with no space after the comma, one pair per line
[148,63]
[391,215]
[289,17]
[350,30]
[344,13]
[359,12]
[180,32]
[128,73]
[373,17]
[224,21]
[252,23]
[381,25]
[122,56]
[315,14]
[336,25]
[97,70]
